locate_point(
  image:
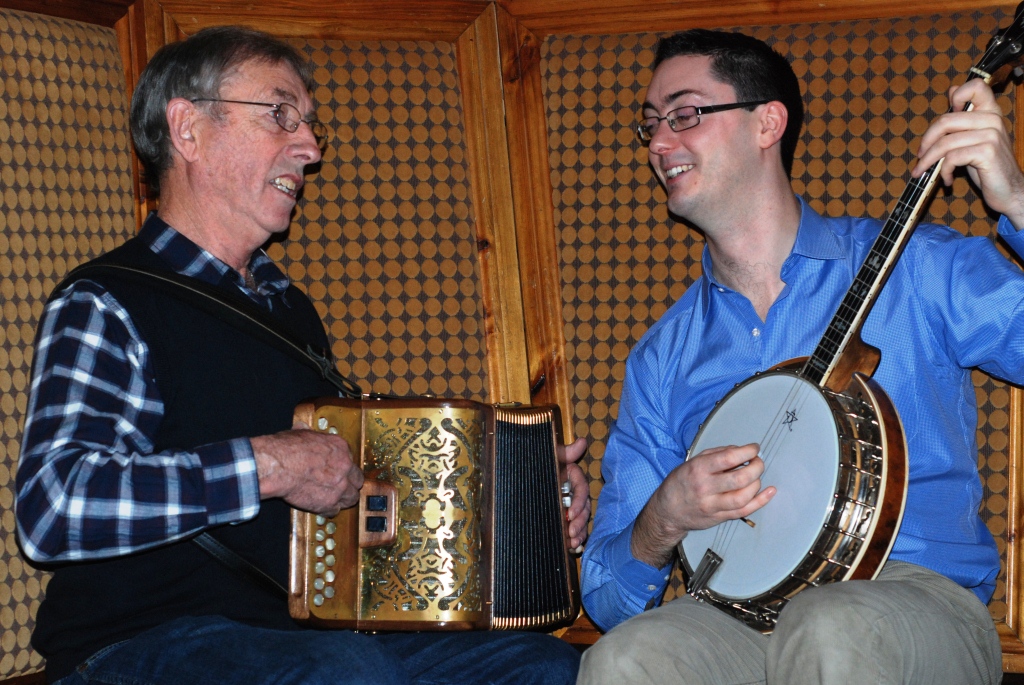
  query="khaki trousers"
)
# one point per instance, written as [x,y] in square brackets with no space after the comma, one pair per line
[910,625]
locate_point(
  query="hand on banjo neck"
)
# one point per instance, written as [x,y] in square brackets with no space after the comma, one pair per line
[977,140]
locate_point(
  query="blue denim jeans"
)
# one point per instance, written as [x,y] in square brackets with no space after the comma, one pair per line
[212,650]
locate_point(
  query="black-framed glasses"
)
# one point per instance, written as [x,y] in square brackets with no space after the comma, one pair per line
[685,117]
[285,114]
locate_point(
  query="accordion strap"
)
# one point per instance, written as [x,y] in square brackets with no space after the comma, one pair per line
[236,311]
[239,564]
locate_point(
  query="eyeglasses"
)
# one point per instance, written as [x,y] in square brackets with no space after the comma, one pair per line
[685,117]
[286,115]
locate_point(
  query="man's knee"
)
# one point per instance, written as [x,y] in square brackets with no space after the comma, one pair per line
[615,655]
[819,612]
[684,641]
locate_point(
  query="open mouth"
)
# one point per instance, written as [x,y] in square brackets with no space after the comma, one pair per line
[285,185]
[677,170]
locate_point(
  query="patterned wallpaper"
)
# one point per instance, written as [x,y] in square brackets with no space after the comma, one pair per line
[65,179]
[385,242]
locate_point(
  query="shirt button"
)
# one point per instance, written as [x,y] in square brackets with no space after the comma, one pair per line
[721,290]
[756,332]
[652,588]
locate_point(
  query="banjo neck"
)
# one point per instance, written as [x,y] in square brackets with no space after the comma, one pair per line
[840,353]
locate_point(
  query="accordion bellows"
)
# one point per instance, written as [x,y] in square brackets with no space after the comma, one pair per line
[460,525]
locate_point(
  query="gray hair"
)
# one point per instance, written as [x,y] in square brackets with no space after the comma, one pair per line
[196,68]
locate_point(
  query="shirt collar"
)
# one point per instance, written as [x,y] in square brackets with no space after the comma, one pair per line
[188,259]
[814,240]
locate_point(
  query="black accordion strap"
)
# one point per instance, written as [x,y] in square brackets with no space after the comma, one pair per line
[235,311]
[241,566]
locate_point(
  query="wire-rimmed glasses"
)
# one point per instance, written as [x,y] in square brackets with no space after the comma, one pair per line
[285,114]
[685,117]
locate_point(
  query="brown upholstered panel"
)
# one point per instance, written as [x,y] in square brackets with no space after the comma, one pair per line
[384,241]
[65,184]
[871,88]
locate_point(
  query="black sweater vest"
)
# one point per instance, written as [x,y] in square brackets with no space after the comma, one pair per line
[217,382]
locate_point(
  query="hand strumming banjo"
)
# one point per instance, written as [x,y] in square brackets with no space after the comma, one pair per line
[830,439]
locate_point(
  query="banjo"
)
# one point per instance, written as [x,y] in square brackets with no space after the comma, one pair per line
[830,438]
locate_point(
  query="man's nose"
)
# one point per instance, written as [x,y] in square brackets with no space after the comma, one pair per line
[664,138]
[307,144]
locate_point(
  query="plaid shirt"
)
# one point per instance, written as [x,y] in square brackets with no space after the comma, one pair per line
[89,484]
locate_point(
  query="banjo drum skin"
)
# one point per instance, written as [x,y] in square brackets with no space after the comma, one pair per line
[841,479]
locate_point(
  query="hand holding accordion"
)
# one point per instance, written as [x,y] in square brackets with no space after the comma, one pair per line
[460,522]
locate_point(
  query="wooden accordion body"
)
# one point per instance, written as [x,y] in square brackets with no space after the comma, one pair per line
[460,524]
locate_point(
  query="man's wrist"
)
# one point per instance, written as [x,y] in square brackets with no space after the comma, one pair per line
[650,543]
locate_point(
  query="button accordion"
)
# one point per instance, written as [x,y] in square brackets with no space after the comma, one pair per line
[461,522]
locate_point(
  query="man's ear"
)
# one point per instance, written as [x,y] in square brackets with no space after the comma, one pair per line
[181,119]
[774,118]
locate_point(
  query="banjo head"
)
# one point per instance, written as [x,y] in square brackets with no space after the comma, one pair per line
[792,422]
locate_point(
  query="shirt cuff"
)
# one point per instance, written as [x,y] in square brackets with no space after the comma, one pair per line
[232,483]
[1012,235]
[637,579]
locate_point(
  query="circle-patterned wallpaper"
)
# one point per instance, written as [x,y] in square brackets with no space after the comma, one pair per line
[385,243]
[870,89]
[65,179]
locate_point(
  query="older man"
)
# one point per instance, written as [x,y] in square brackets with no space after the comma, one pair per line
[151,419]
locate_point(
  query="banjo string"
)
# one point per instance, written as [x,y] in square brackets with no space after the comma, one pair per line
[770,447]
[726,531]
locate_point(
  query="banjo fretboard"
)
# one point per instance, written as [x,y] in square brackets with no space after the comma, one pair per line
[875,270]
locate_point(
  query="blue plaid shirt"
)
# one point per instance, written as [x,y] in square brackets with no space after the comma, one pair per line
[89,484]
[951,303]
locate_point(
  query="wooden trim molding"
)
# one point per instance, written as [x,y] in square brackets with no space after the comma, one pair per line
[526,121]
[100,12]
[1011,633]
[36,678]
[443,20]
[544,17]
[484,108]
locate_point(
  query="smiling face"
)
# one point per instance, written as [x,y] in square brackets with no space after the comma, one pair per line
[706,168]
[247,170]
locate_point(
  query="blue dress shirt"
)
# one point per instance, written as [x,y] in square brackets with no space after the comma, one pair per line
[952,303]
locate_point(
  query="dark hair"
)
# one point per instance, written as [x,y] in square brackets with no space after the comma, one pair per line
[196,68]
[751,67]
